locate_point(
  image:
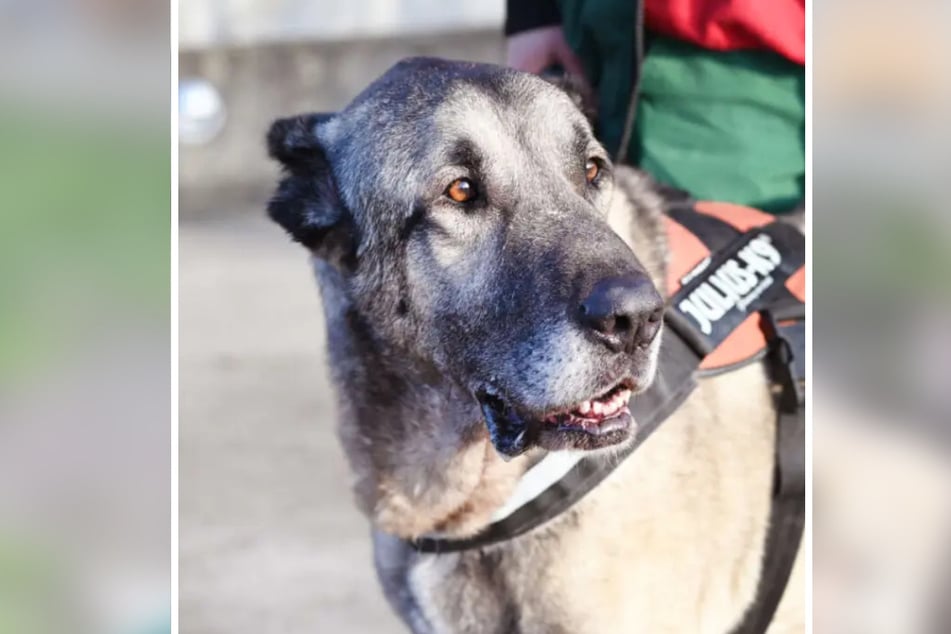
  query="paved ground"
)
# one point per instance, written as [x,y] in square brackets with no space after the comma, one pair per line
[269,539]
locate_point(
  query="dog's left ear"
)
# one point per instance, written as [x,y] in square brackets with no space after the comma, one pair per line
[577,91]
[307,203]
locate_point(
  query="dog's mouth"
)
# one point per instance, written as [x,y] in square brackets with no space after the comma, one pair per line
[600,421]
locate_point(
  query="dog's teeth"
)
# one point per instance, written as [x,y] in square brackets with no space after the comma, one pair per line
[606,407]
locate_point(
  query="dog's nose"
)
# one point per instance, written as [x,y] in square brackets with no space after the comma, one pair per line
[624,312]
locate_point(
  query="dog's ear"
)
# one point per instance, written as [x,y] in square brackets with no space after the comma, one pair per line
[578,92]
[293,141]
[307,203]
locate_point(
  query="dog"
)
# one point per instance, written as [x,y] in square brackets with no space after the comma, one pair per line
[489,280]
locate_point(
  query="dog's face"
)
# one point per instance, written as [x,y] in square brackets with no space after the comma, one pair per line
[464,206]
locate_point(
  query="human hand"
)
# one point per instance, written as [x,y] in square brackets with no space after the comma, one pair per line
[537,49]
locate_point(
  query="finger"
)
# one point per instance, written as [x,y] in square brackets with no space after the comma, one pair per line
[528,59]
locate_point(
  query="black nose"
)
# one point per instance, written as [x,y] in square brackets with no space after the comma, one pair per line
[624,312]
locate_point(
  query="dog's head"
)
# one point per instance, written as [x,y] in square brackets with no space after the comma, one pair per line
[465,206]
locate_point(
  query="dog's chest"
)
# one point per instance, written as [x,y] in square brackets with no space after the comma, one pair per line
[657,547]
[499,591]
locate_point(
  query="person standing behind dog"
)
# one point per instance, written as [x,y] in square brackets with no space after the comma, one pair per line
[705,95]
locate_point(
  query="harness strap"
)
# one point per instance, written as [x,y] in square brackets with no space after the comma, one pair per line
[787,515]
[741,279]
[673,383]
[713,232]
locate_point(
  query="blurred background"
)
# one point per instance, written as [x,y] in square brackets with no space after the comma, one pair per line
[881,316]
[270,539]
[85,195]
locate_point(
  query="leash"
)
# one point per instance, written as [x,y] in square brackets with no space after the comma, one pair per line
[788,512]
[628,129]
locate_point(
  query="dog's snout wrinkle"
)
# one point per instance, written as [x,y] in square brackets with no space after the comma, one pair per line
[624,312]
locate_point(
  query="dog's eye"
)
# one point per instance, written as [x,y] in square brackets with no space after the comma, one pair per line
[462,190]
[592,169]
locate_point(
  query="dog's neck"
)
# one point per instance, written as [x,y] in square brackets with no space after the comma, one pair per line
[416,442]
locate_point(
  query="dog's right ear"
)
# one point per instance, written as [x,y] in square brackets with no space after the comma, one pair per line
[293,141]
[307,203]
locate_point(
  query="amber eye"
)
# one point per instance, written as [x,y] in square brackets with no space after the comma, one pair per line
[591,170]
[462,190]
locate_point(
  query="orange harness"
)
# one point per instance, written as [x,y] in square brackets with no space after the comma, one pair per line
[690,249]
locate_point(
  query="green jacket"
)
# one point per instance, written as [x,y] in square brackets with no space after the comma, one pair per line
[727,126]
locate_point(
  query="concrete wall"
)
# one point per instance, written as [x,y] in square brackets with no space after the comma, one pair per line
[204,23]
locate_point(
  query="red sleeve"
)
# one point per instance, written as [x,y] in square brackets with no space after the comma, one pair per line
[726,25]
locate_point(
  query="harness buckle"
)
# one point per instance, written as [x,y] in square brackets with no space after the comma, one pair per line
[793,395]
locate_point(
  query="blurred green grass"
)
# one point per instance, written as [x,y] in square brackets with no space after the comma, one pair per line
[29,582]
[85,235]
[889,245]
[880,262]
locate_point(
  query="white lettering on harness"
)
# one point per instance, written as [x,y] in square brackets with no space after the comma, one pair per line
[735,284]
